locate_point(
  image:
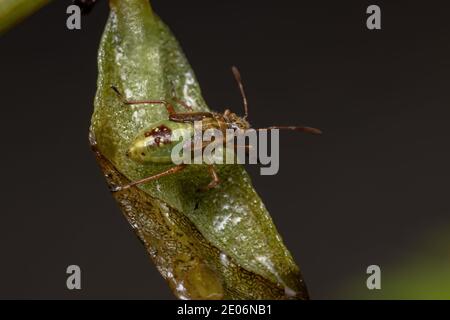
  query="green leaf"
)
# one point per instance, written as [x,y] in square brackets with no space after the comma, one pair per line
[219,244]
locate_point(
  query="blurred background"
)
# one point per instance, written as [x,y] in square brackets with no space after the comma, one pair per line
[374,189]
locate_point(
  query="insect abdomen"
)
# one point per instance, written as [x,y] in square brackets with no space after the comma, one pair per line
[155,144]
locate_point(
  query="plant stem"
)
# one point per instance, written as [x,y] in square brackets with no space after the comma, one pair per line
[14,11]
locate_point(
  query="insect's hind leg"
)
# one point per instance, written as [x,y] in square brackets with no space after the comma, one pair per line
[168,106]
[168,172]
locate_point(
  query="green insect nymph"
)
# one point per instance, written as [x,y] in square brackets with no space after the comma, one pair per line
[155,144]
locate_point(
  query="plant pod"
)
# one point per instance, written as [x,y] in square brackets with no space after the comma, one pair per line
[218,244]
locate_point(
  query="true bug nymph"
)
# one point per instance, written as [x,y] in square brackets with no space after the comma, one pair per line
[155,144]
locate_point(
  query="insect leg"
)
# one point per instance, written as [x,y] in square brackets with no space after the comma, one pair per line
[190,117]
[215,178]
[181,102]
[168,172]
[168,106]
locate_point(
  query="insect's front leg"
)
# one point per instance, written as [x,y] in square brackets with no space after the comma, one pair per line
[181,102]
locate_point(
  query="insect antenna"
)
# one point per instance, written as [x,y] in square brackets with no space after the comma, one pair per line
[237,76]
[294,128]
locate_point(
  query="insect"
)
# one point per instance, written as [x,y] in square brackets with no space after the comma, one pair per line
[155,143]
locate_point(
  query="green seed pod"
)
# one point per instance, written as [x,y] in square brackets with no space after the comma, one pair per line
[219,244]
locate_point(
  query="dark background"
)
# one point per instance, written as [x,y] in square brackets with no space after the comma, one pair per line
[364,193]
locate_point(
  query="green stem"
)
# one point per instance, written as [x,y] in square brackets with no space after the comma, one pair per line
[14,11]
